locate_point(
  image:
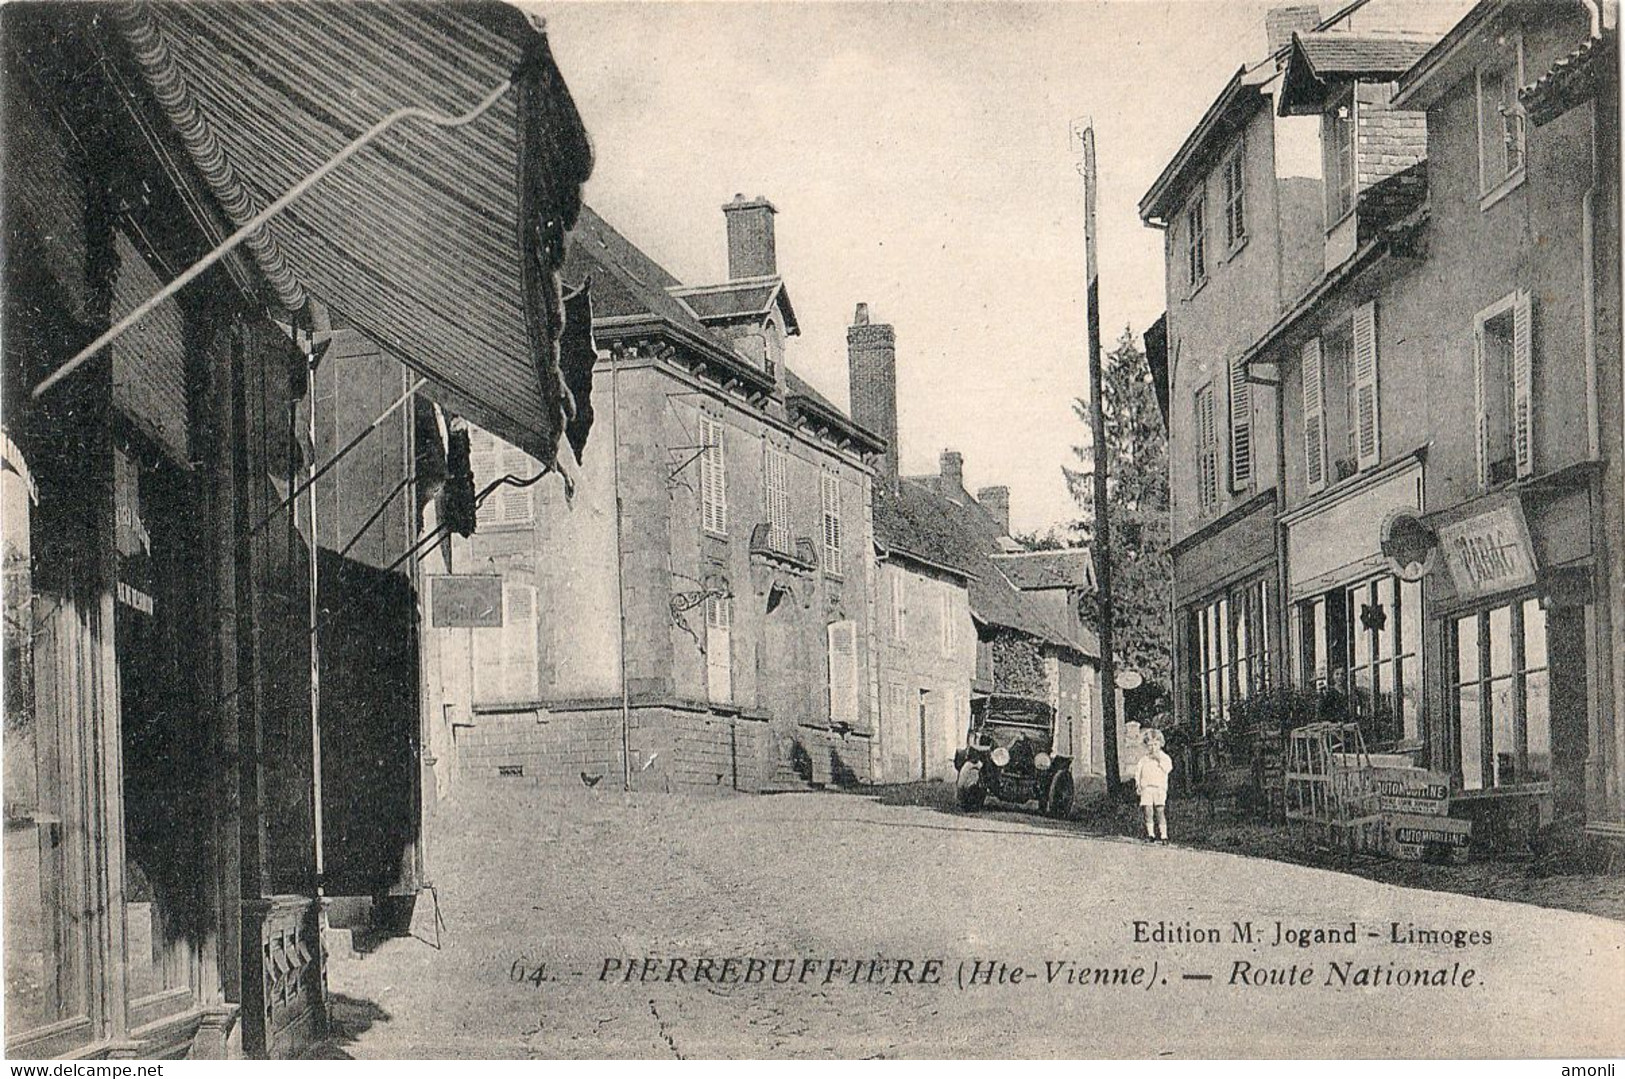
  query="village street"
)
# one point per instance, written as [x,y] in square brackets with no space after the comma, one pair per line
[542,893]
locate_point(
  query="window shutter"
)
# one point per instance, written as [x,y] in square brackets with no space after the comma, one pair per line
[843,673]
[713,478]
[778,497]
[1241,429]
[489,647]
[519,659]
[1481,411]
[1314,418]
[515,502]
[1523,420]
[1368,434]
[719,649]
[832,522]
[482,462]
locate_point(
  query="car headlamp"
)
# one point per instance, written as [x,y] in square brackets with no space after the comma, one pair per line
[1041,762]
[1001,756]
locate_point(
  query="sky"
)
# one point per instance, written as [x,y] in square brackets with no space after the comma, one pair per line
[918,156]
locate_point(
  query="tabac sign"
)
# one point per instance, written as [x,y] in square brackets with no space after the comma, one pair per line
[465,601]
[1489,552]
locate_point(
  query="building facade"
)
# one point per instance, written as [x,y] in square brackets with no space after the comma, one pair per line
[693,616]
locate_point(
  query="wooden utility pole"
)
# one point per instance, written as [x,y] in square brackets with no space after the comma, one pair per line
[1101,544]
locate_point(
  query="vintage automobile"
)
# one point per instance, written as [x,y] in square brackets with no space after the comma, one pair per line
[1008,756]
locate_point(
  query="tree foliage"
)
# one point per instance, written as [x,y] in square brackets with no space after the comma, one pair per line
[1137,508]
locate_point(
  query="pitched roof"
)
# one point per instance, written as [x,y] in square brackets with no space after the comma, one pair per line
[749,298]
[1316,62]
[625,281]
[1240,99]
[961,535]
[1391,200]
[800,395]
[1580,76]
[1028,570]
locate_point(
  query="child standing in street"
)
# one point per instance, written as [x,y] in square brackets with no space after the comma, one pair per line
[1151,780]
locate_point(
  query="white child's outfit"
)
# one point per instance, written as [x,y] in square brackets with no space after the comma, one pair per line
[1151,777]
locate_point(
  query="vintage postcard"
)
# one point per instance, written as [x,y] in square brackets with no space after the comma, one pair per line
[813,530]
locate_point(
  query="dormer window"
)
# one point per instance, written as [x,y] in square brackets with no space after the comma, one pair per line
[1340,160]
[1196,242]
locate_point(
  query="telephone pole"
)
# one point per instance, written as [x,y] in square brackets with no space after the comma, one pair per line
[1083,132]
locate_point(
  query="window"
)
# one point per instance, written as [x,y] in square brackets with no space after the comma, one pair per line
[1500,119]
[1338,139]
[1241,429]
[1235,210]
[831,486]
[775,487]
[1502,384]
[1196,242]
[507,660]
[1500,696]
[490,459]
[1229,650]
[946,614]
[899,607]
[1342,417]
[719,664]
[843,673]
[1207,451]
[1364,641]
[713,478]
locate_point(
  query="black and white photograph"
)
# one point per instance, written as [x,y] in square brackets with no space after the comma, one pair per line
[787,529]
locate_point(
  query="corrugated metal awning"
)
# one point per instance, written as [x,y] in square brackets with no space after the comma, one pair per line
[442,244]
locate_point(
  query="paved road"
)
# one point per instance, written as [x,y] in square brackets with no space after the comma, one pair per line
[571,883]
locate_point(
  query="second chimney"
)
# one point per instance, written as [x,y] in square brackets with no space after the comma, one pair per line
[871,368]
[751,251]
[953,472]
[996,501]
[1282,22]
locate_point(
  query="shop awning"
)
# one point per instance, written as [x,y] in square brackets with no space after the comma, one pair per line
[441,243]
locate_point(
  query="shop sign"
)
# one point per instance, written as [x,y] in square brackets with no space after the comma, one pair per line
[1414,838]
[1412,790]
[1489,552]
[465,601]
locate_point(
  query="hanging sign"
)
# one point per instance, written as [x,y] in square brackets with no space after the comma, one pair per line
[1489,552]
[465,601]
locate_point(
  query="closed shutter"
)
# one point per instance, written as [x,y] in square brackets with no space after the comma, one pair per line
[1314,418]
[515,504]
[719,670]
[832,522]
[1523,420]
[1481,412]
[520,661]
[899,609]
[1367,414]
[489,649]
[713,478]
[778,498]
[1207,449]
[1241,429]
[947,616]
[843,673]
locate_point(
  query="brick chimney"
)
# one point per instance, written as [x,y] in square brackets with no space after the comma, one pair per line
[996,501]
[871,368]
[751,251]
[1280,23]
[952,468]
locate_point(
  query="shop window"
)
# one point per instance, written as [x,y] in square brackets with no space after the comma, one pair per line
[1228,644]
[1500,696]
[1363,642]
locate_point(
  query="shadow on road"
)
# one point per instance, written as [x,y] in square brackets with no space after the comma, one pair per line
[349,1019]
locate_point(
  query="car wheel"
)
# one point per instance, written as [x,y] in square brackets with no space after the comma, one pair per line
[969,792]
[1059,802]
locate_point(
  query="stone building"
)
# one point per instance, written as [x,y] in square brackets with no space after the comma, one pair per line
[951,631]
[693,617]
